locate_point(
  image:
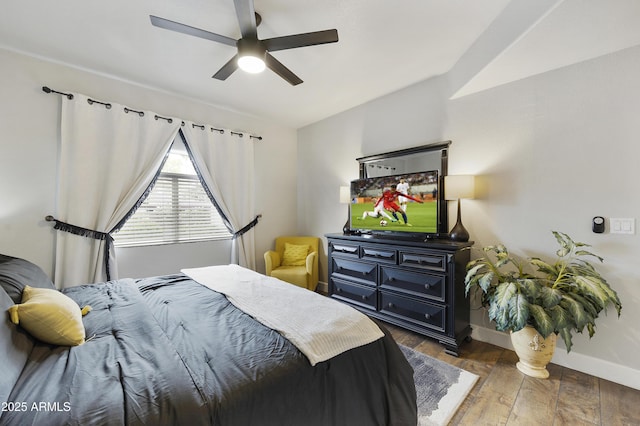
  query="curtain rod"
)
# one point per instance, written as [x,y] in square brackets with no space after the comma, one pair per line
[141,114]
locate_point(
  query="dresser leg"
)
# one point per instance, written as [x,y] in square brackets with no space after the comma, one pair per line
[450,349]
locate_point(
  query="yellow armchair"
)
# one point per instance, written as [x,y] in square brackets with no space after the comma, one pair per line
[291,262]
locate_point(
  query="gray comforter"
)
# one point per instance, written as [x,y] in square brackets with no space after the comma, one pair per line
[169,351]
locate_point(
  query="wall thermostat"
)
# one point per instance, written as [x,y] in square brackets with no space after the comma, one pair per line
[598,224]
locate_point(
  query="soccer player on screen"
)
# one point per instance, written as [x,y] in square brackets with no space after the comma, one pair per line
[403,188]
[378,210]
[388,201]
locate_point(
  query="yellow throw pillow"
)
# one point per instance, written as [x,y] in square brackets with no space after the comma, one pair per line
[50,316]
[295,255]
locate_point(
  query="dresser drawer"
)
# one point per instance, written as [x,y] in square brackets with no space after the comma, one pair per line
[379,254]
[363,271]
[415,283]
[345,249]
[434,262]
[422,313]
[353,293]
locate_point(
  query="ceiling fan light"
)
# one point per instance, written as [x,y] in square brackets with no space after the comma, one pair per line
[251,64]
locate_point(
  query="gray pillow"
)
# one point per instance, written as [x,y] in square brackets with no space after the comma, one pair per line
[16,347]
[16,273]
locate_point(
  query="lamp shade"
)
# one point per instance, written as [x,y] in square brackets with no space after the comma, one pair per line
[459,186]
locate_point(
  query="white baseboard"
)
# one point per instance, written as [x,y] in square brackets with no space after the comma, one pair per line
[322,287]
[594,366]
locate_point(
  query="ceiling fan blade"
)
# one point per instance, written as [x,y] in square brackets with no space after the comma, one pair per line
[284,72]
[192,31]
[301,40]
[246,18]
[227,69]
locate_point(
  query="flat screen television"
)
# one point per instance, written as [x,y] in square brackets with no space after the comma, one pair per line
[404,204]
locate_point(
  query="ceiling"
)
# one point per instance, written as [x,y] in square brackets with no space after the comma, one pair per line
[384,45]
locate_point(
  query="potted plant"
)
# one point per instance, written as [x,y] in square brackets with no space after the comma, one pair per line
[540,298]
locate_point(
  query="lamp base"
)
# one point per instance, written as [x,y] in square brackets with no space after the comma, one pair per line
[459,233]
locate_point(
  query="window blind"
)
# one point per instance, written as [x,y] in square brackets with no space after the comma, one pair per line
[177,210]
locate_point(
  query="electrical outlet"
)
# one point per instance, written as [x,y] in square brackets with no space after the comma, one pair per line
[622,225]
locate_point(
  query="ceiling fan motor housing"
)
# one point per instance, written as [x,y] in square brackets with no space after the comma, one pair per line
[249,47]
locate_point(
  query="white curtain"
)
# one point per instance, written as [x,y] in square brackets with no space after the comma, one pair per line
[108,158]
[226,164]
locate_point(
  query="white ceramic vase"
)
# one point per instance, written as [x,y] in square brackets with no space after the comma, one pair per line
[534,351]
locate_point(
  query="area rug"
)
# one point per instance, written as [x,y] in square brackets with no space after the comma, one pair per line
[440,387]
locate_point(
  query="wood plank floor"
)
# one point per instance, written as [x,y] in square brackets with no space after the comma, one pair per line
[504,396]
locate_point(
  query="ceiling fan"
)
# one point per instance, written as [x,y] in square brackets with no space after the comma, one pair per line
[253,54]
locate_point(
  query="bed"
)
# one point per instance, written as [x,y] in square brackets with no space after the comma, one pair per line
[171,350]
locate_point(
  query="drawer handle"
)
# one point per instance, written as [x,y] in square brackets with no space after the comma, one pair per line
[422,260]
[379,254]
[392,279]
[349,250]
[339,290]
[364,297]
[427,316]
[427,286]
[390,305]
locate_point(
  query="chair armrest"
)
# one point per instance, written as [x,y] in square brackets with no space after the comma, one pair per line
[311,262]
[271,261]
[312,270]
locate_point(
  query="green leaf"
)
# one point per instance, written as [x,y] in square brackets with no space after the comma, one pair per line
[500,305]
[588,253]
[566,244]
[531,288]
[485,281]
[543,322]
[474,272]
[500,316]
[565,333]
[591,308]
[519,311]
[504,293]
[578,314]
[494,249]
[549,297]
[543,266]
[503,260]
[473,263]
[561,317]
[592,288]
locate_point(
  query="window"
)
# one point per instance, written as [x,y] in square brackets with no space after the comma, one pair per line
[177,209]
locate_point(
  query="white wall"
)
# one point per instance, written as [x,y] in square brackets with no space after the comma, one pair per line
[29,120]
[551,152]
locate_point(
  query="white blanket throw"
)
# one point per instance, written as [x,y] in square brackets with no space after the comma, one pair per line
[319,327]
